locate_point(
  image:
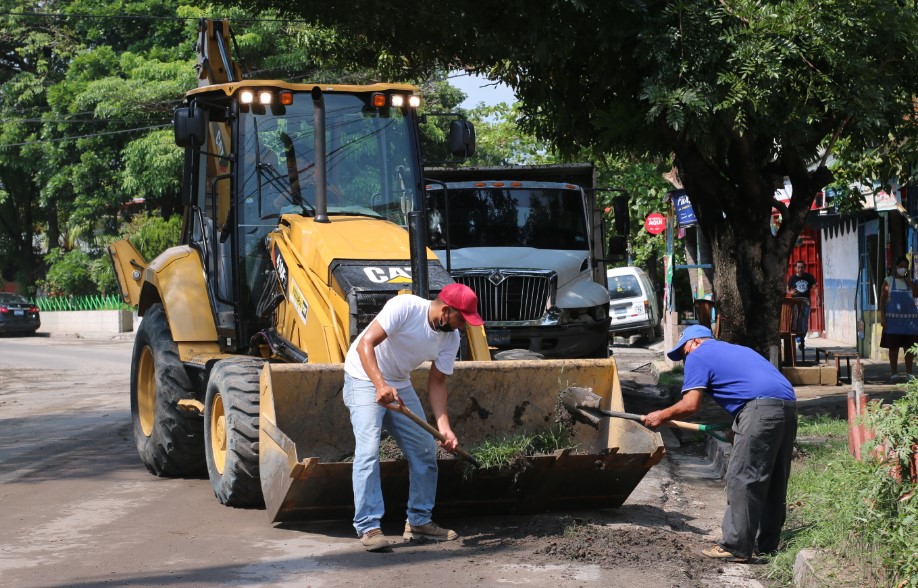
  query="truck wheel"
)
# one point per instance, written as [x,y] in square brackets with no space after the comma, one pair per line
[231,411]
[169,440]
[601,351]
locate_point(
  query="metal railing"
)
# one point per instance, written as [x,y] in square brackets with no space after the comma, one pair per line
[92,302]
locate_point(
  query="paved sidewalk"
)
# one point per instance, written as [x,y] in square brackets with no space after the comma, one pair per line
[877,373]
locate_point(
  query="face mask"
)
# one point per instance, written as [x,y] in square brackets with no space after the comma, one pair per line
[902,271]
[444,326]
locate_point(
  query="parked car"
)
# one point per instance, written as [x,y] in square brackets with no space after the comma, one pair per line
[17,314]
[632,304]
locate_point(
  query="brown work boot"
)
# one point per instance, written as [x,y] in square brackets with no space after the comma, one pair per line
[374,540]
[718,552]
[431,531]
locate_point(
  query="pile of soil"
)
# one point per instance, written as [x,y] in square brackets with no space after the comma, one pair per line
[388,450]
[654,539]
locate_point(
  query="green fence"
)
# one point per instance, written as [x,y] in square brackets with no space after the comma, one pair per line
[97,302]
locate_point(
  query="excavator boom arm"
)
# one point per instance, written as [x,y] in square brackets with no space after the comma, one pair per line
[215,62]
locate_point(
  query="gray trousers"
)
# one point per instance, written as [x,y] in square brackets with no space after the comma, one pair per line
[757,476]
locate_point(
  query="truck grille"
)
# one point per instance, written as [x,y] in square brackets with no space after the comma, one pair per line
[511,295]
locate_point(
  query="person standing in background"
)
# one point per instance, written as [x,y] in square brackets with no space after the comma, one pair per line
[799,286]
[899,316]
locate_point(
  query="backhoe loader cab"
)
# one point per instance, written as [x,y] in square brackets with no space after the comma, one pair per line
[251,165]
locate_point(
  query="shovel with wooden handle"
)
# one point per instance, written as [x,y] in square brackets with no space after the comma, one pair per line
[583,405]
[398,407]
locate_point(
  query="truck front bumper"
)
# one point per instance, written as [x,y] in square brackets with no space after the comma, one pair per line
[571,341]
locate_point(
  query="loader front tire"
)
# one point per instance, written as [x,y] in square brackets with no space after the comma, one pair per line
[231,410]
[170,441]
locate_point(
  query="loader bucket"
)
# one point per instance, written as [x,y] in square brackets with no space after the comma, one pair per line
[306,441]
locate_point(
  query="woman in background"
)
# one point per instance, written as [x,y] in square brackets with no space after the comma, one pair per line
[899,316]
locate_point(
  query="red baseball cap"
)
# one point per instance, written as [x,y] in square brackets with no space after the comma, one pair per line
[463,299]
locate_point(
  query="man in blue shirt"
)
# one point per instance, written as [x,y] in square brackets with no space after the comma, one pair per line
[764,409]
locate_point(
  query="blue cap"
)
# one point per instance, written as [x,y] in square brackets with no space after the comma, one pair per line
[693,332]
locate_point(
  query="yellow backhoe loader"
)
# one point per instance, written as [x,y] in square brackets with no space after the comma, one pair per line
[304,213]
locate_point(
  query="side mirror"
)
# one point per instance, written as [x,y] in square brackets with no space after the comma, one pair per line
[189,127]
[618,246]
[622,214]
[461,138]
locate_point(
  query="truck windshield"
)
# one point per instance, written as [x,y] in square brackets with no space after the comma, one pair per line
[543,218]
[369,155]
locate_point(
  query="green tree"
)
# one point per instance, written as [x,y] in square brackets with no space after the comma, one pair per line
[501,141]
[742,94]
[87,90]
[151,235]
[69,273]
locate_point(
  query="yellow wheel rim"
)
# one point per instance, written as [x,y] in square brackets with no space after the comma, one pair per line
[146,391]
[218,433]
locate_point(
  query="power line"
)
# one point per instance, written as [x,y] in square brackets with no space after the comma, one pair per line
[144,17]
[59,139]
[68,120]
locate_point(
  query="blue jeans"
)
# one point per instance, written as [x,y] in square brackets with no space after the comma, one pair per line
[803,321]
[418,446]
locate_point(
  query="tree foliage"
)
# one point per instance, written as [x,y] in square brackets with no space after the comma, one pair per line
[151,235]
[87,90]
[502,141]
[740,94]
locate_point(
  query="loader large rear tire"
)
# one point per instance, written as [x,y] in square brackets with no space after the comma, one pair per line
[169,440]
[231,410]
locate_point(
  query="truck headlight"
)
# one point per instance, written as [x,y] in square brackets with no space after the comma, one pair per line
[584,315]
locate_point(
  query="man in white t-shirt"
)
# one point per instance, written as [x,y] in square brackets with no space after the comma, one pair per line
[407,332]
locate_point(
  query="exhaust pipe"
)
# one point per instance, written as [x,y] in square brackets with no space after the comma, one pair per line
[417,242]
[318,104]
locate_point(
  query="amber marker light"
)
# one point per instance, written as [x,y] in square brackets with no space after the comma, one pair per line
[378,100]
[286,98]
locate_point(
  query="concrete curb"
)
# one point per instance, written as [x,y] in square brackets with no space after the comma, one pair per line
[805,574]
[719,454]
[90,335]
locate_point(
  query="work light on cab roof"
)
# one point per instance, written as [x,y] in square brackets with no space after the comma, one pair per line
[264,97]
[380,100]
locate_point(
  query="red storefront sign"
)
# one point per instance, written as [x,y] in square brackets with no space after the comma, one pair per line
[655,223]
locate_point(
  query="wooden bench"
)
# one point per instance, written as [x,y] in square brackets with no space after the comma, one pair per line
[847,356]
[817,352]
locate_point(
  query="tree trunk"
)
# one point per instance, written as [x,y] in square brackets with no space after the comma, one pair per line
[734,202]
[749,286]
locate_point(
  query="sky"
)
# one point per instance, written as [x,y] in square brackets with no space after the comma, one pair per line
[480,90]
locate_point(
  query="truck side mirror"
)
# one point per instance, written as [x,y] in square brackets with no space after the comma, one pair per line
[622,214]
[618,246]
[188,127]
[461,138]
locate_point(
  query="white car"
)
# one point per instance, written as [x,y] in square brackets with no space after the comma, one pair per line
[632,304]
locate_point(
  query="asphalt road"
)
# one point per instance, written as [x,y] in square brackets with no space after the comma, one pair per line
[77,507]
